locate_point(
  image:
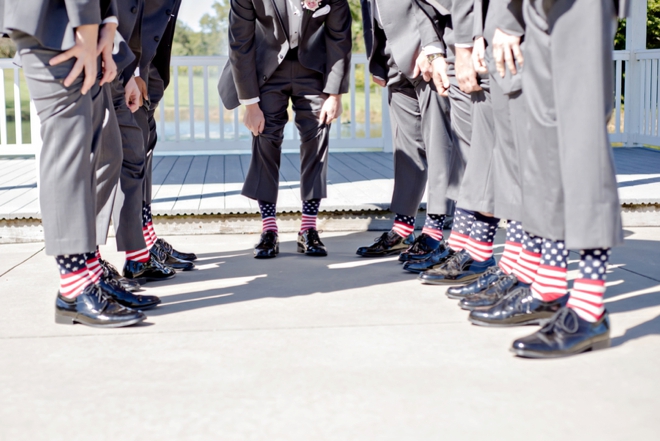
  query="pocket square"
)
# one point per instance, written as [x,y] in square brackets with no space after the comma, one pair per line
[323,11]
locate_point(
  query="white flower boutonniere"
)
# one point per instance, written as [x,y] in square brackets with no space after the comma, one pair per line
[311,5]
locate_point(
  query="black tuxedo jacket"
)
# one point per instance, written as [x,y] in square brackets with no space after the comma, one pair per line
[259,41]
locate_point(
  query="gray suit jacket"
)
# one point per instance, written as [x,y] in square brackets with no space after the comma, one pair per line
[127,40]
[258,41]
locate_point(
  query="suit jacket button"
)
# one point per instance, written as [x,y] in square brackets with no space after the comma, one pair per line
[265,78]
[134,10]
[168,12]
[156,38]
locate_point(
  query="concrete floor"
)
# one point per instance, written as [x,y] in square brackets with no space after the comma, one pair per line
[297,348]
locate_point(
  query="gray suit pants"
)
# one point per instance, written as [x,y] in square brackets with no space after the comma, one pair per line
[461,134]
[569,189]
[67,190]
[127,215]
[423,148]
[291,81]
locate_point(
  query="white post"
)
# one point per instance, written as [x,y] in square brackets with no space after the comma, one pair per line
[635,41]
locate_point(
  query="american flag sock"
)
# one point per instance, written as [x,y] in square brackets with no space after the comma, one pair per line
[586,298]
[147,227]
[482,235]
[94,266]
[74,275]
[460,230]
[550,282]
[433,225]
[268,219]
[403,225]
[512,246]
[310,211]
[528,259]
[150,224]
[138,255]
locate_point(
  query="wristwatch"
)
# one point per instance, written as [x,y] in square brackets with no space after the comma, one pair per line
[432,57]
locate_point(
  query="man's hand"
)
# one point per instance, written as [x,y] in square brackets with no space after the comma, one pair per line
[423,66]
[143,87]
[133,95]
[479,56]
[506,49]
[381,83]
[254,119]
[440,78]
[104,49]
[331,109]
[465,73]
[84,51]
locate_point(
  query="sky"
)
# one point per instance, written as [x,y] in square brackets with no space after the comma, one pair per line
[191,11]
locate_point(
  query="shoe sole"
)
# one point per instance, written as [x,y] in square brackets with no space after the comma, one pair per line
[67,320]
[154,279]
[270,256]
[391,253]
[596,346]
[465,281]
[539,322]
[302,251]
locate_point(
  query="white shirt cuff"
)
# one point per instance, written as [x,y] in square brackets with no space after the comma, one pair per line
[111,19]
[249,101]
[137,72]
[432,49]
[465,45]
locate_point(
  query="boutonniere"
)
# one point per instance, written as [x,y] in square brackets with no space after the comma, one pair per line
[311,5]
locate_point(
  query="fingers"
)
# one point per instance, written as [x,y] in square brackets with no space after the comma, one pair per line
[66,55]
[517,53]
[508,57]
[416,71]
[90,77]
[445,79]
[323,116]
[427,76]
[498,55]
[109,72]
[262,124]
[75,72]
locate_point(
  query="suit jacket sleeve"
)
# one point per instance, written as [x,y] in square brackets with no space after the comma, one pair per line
[431,25]
[83,12]
[111,10]
[338,44]
[462,14]
[242,53]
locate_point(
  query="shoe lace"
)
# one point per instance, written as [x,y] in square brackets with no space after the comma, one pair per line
[516,299]
[313,236]
[453,263]
[165,245]
[565,320]
[108,268]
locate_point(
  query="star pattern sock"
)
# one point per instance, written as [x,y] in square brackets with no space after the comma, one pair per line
[310,211]
[460,230]
[268,216]
[482,235]
[512,246]
[433,225]
[550,282]
[529,258]
[74,275]
[94,266]
[403,225]
[147,227]
[586,298]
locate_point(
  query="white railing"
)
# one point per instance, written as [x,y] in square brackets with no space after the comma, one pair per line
[192,119]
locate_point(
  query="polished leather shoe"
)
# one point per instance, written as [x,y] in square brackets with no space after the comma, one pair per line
[518,308]
[435,260]
[268,246]
[110,272]
[422,248]
[492,275]
[493,294]
[169,260]
[151,271]
[113,289]
[387,244]
[459,268]
[565,334]
[309,243]
[94,308]
[162,243]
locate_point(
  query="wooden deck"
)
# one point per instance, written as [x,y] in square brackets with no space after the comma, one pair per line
[204,185]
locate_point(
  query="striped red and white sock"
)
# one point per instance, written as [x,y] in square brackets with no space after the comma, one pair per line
[512,247]
[148,238]
[94,266]
[74,274]
[529,259]
[268,216]
[433,226]
[138,255]
[403,225]
[586,298]
[460,230]
[310,211]
[148,226]
[482,235]
[550,282]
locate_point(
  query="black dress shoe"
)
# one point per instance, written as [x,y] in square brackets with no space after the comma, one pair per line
[518,308]
[309,243]
[493,294]
[151,271]
[94,308]
[109,271]
[162,243]
[113,289]
[387,244]
[422,248]
[459,268]
[565,334]
[492,275]
[168,260]
[435,260]
[268,246]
